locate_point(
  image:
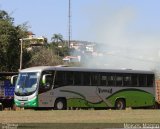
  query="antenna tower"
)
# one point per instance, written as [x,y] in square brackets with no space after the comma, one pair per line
[69,24]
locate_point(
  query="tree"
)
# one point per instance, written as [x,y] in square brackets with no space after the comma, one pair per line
[45,56]
[60,51]
[9,43]
[57,38]
[5,17]
[8,47]
[58,46]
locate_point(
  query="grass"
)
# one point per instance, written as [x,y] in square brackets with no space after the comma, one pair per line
[81,116]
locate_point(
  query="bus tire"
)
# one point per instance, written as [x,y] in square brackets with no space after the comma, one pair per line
[60,104]
[120,104]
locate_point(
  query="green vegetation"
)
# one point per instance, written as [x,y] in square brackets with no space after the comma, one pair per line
[57,38]
[10,35]
[9,43]
[44,56]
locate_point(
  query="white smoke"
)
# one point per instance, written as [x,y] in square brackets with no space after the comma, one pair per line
[121,44]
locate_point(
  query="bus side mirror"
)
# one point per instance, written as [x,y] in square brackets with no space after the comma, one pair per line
[14,79]
[45,78]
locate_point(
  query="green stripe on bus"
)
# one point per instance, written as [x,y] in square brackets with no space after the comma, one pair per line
[133,98]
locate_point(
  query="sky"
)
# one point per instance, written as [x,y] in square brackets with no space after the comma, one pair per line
[128,29]
[51,16]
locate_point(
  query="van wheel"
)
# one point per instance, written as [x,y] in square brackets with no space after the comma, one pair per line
[120,104]
[60,104]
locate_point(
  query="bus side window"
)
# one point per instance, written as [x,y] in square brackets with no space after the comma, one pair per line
[150,80]
[134,80]
[103,79]
[69,78]
[77,78]
[59,79]
[111,80]
[142,80]
[94,79]
[49,81]
[119,80]
[86,77]
[127,80]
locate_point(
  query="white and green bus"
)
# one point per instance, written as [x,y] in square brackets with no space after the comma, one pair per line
[64,87]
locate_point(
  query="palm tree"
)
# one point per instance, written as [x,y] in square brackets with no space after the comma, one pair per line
[57,38]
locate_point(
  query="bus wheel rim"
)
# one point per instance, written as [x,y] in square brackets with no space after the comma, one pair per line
[120,105]
[60,105]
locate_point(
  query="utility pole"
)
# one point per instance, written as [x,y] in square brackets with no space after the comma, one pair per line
[69,23]
[21,54]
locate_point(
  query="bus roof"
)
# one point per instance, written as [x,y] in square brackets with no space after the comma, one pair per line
[43,68]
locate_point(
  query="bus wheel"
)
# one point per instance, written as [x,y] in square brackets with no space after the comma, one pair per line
[120,104]
[60,104]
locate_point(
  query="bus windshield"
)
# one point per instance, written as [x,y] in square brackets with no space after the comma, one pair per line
[26,84]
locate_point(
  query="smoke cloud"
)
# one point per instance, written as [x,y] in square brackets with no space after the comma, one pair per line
[120,42]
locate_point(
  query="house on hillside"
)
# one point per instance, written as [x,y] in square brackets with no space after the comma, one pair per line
[82,45]
[90,47]
[70,59]
[35,41]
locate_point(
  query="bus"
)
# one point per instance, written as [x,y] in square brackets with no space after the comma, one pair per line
[62,88]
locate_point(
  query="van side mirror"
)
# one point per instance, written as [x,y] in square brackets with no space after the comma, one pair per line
[14,79]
